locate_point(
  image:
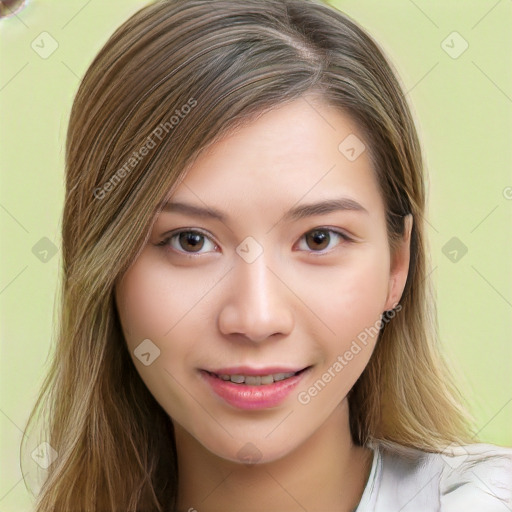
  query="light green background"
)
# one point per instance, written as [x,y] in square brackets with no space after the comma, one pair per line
[463,110]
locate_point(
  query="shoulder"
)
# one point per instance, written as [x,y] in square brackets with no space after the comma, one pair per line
[476,477]
[460,479]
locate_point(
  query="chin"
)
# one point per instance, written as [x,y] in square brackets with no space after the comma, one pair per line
[252,452]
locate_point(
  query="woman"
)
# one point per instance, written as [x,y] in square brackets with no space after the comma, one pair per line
[246,323]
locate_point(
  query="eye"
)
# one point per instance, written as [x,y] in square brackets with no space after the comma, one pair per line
[189,242]
[322,240]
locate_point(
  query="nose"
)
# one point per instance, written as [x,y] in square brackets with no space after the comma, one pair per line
[258,304]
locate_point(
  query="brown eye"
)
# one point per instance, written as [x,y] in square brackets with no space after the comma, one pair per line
[191,241]
[322,240]
[318,240]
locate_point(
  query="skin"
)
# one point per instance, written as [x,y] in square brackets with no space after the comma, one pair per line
[299,303]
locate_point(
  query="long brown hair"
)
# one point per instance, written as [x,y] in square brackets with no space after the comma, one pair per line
[173,79]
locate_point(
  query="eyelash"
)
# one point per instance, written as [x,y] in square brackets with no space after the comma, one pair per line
[166,241]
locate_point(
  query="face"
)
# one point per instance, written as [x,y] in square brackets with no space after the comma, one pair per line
[263,282]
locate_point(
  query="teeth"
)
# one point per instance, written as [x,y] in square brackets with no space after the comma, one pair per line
[256,380]
[267,379]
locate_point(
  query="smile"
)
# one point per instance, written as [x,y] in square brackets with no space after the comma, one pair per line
[256,380]
[250,392]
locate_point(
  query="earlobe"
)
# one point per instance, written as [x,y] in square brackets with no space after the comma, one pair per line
[399,266]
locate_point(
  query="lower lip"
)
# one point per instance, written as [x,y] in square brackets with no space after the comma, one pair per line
[247,397]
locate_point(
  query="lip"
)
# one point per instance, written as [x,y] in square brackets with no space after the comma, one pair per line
[242,396]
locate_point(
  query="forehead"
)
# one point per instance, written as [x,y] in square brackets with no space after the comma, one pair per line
[304,150]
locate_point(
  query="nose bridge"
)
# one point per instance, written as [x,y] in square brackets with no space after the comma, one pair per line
[256,287]
[258,304]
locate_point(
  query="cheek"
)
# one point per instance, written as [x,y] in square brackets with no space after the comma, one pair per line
[349,298]
[151,300]
[349,304]
[151,306]
[169,307]
[141,310]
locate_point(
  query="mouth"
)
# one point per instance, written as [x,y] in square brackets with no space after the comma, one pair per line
[248,388]
[262,379]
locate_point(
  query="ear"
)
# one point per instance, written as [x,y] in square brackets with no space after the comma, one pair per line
[399,267]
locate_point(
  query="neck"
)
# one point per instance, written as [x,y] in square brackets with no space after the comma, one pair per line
[328,460]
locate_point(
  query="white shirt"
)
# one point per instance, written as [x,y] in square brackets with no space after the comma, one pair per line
[470,478]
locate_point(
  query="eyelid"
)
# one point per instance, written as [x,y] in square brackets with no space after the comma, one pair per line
[169,234]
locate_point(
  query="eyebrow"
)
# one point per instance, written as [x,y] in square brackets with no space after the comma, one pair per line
[194,211]
[323,208]
[294,214]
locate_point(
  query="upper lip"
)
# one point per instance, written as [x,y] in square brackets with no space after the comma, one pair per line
[248,370]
